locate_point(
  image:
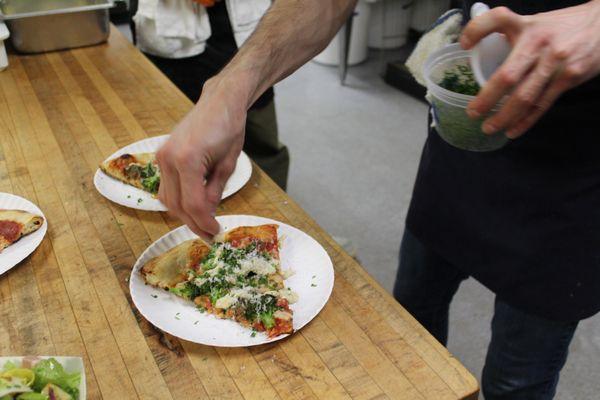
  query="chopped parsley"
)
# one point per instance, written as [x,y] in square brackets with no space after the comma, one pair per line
[155,296]
[177,316]
[461,80]
[313,285]
[140,200]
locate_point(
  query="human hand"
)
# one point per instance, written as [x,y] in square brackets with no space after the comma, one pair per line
[199,157]
[552,53]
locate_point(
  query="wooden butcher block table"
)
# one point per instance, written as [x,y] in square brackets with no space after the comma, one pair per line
[60,115]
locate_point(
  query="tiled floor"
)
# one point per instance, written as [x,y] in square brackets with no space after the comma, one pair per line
[355,151]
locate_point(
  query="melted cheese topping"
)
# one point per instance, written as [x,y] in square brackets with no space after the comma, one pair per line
[258,265]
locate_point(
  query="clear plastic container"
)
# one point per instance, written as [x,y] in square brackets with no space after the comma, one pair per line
[449,108]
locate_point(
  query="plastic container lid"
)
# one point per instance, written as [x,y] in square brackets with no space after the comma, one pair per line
[490,52]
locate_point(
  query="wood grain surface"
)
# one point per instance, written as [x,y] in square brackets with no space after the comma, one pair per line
[60,115]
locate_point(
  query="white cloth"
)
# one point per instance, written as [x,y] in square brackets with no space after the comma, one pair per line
[180,28]
[444,31]
[244,16]
[171,28]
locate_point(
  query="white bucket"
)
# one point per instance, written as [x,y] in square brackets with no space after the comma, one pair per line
[449,108]
[389,23]
[358,40]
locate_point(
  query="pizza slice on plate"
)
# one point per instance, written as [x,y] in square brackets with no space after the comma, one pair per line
[139,170]
[14,224]
[239,277]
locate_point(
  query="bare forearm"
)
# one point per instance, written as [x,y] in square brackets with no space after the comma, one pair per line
[291,33]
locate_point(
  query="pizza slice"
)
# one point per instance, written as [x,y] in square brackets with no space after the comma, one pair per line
[139,170]
[239,277]
[14,224]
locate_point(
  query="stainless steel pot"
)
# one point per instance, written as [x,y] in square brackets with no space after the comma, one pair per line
[45,25]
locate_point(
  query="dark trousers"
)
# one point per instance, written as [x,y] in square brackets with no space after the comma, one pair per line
[526,352]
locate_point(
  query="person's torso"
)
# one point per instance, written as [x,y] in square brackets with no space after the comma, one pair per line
[523,220]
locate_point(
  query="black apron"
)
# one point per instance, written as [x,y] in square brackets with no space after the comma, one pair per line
[524,220]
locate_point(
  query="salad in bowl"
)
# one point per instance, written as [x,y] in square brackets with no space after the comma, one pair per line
[41,378]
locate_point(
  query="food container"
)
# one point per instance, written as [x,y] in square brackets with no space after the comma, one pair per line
[45,25]
[449,108]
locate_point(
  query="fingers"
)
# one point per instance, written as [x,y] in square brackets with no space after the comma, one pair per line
[499,19]
[182,191]
[218,179]
[554,90]
[525,96]
[194,203]
[168,191]
[521,59]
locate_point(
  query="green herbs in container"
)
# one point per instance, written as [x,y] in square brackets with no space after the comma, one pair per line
[451,87]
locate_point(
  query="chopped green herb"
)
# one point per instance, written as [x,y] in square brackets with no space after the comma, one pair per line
[155,296]
[313,285]
[253,334]
[196,323]
[177,316]
[151,184]
[140,200]
[460,80]
[128,196]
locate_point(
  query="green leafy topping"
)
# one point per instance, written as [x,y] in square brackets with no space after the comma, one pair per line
[50,371]
[460,80]
[255,309]
[148,171]
[151,184]
[267,319]
[29,396]
[187,290]
[8,366]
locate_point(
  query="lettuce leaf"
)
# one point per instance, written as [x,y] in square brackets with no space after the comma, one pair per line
[8,366]
[50,371]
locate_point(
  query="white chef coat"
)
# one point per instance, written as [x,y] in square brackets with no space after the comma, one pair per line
[180,28]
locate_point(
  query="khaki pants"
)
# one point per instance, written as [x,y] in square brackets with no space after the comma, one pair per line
[263,146]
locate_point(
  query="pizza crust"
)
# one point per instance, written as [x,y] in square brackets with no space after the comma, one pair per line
[14,224]
[171,268]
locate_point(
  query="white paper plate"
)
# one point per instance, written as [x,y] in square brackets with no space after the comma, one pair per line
[129,196]
[313,281]
[70,364]
[16,252]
